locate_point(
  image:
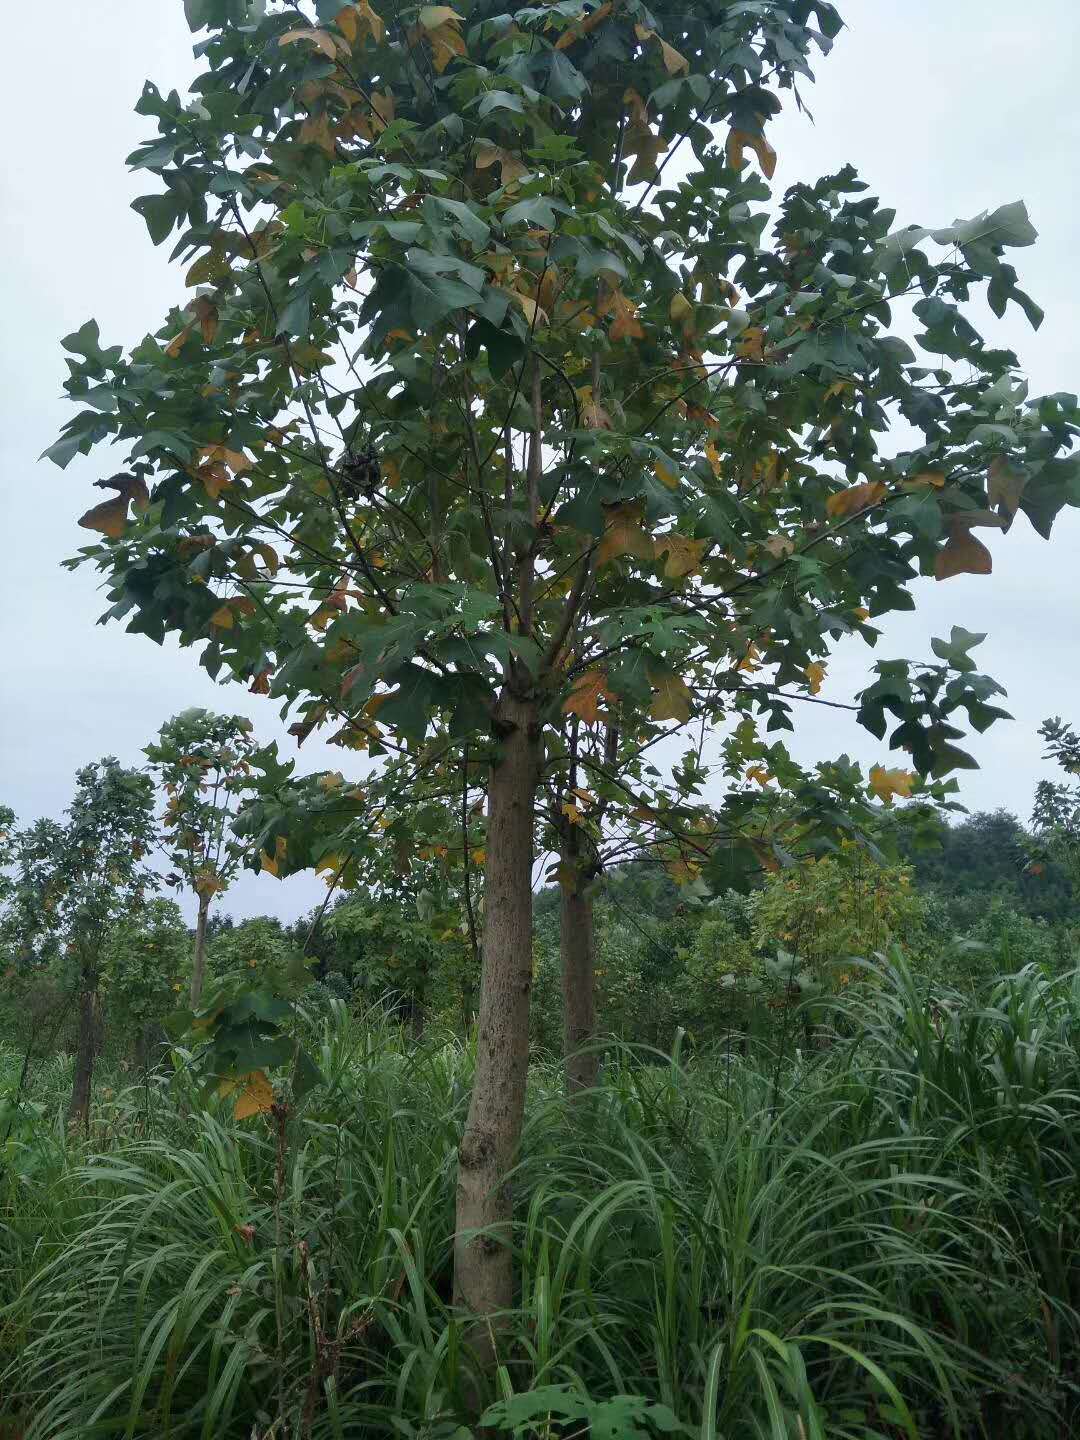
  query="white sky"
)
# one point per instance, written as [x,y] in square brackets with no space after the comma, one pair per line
[946,107]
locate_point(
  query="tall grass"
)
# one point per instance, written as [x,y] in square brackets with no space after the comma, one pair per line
[874,1238]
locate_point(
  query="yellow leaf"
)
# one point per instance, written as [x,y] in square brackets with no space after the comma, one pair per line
[478,856]
[582,28]
[222,617]
[887,783]
[215,479]
[750,344]
[111,516]
[439,23]
[739,141]
[712,454]
[207,883]
[330,864]
[348,22]
[256,1095]
[317,130]
[623,534]
[815,673]
[588,690]
[625,324]
[855,498]
[683,554]
[681,311]
[672,699]
[331,780]
[1006,486]
[358,20]
[322,39]
[511,167]
[177,343]
[683,872]
[593,415]
[759,775]
[206,313]
[666,477]
[236,460]
[572,813]
[932,478]
[647,146]
[674,62]
[434,17]
[273,863]
[531,310]
[639,110]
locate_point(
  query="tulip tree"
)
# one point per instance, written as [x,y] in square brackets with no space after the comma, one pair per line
[202,761]
[499,395]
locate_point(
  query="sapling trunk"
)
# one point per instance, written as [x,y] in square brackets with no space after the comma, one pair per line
[483,1262]
[578,974]
[198,967]
[85,1052]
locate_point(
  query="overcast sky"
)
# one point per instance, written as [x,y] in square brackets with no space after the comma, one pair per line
[946,107]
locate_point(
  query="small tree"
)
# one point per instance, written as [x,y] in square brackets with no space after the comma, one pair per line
[1055,816]
[202,761]
[77,882]
[145,963]
[477,416]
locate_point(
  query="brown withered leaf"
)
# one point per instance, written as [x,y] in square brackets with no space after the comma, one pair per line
[963,554]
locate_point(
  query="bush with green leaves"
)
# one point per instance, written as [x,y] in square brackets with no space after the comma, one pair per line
[826,910]
[258,949]
[148,965]
[385,952]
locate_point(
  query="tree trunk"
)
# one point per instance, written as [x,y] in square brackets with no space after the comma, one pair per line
[483,1266]
[578,975]
[85,1053]
[198,968]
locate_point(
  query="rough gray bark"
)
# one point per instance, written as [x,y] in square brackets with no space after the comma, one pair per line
[580,1057]
[483,1265]
[198,967]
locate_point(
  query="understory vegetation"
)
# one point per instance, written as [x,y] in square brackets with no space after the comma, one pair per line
[825,1186]
[872,1236]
